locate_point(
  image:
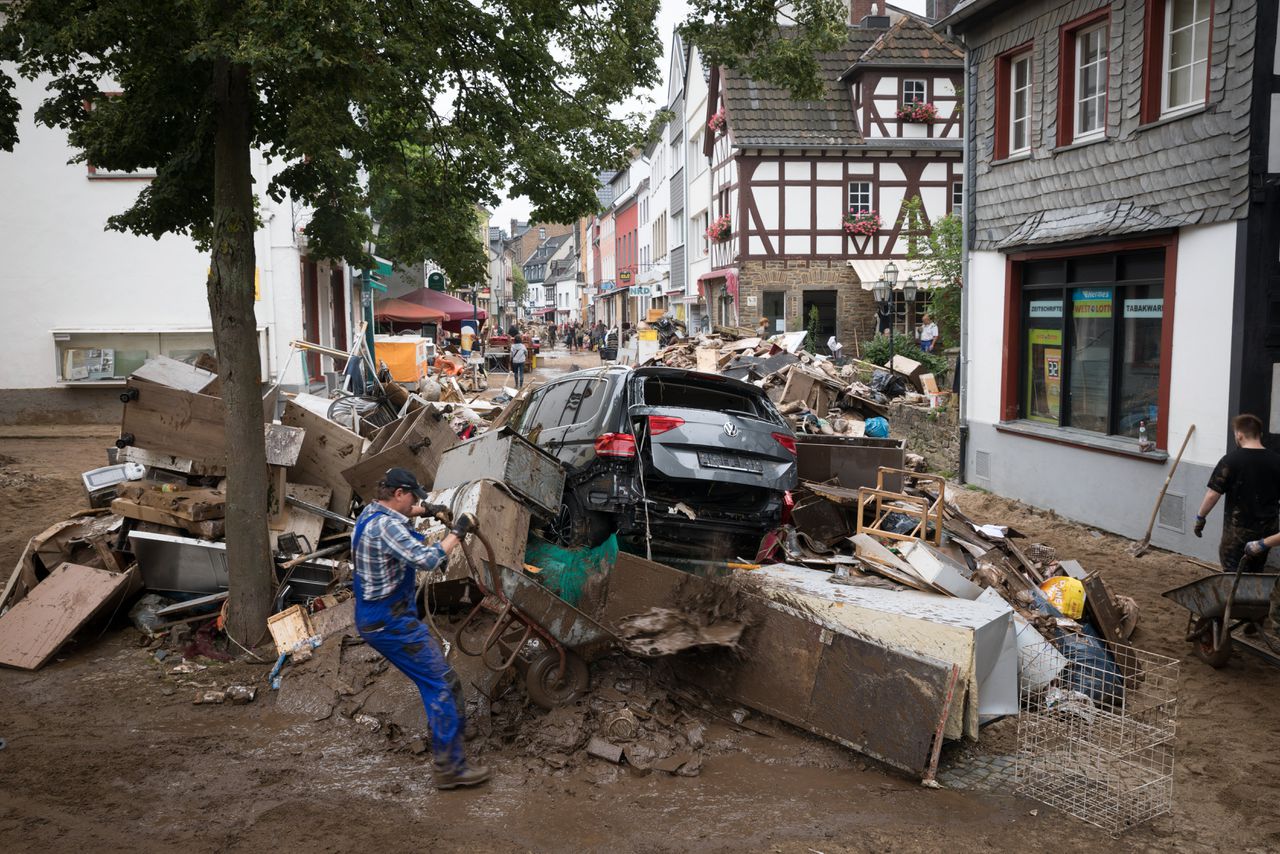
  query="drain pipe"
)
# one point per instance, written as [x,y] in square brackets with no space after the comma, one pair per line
[966,231]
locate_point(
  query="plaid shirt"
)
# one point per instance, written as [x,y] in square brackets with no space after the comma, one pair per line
[388,548]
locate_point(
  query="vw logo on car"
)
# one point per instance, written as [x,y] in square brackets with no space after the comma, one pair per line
[730,429]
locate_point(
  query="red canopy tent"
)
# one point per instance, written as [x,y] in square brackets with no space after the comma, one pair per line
[454,309]
[401,311]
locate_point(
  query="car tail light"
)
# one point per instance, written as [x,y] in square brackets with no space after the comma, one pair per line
[786,441]
[659,424]
[619,445]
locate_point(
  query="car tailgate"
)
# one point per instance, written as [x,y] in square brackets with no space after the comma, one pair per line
[722,446]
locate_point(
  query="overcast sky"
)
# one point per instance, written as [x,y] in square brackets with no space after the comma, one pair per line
[673,12]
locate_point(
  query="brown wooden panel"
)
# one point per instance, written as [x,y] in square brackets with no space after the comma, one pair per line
[37,627]
[328,449]
[176,422]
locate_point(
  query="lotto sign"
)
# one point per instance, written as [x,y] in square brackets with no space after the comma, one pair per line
[1091,302]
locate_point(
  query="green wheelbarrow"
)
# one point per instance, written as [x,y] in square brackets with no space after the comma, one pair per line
[1222,603]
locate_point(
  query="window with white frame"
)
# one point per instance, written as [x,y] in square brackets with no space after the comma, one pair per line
[703,221]
[957,198]
[1186,53]
[1020,104]
[1091,81]
[913,91]
[860,195]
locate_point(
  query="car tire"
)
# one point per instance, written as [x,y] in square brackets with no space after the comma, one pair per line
[576,526]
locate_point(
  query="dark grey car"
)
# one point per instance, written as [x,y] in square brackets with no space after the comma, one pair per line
[697,462]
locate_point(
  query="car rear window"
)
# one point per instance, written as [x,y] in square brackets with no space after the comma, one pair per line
[696,394]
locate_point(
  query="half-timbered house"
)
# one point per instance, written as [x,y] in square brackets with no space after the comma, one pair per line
[808,196]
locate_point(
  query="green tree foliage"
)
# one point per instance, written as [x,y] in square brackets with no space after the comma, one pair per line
[769,40]
[519,287]
[876,351]
[811,340]
[938,248]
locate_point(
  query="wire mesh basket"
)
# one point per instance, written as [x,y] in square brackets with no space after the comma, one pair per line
[1096,732]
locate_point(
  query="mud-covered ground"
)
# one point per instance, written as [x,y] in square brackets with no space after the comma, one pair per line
[106,752]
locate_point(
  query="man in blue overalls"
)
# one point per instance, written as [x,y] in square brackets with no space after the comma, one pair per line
[387,554]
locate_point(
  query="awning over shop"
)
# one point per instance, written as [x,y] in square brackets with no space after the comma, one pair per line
[870,270]
[541,312]
[400,311]
[450,307]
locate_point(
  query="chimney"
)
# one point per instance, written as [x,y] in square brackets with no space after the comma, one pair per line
[868,14]
[938,9]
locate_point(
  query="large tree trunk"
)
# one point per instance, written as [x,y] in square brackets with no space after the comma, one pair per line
[231,298]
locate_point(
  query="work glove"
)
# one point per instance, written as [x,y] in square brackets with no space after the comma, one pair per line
[436,511]
[1256,548]
[464,525]
[1198,530]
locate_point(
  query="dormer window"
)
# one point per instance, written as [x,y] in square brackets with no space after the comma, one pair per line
[914,91]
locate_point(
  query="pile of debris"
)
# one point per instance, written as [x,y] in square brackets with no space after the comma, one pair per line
[156,523]
[817,395]
[878,616]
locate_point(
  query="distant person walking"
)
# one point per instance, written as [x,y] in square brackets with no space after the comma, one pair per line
[519,355]
[1249,476]
[551,337]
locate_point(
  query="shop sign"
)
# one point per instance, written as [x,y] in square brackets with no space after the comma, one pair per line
[1152,308]
[1091,302]
[1046,308]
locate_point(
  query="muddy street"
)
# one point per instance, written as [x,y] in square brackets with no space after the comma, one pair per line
[105,751]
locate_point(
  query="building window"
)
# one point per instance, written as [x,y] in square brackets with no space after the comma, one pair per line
[1186,53]
[1020,105]
[1092,340]
[1084,57]
[704,223]
[1090,81]
[913,91]
[859,196]
[957,198]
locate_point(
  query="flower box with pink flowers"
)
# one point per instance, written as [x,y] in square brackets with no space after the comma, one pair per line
[861,223]
[918,111]
[720,229]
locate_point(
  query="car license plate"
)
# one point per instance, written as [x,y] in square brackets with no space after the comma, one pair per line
[729,461]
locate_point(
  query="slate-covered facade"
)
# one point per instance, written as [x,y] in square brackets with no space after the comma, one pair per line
[786,172]
[1121,271]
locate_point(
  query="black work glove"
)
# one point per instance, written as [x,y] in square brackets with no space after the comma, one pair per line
[1198,530]
[1255,548]
[436,511]
[463,525]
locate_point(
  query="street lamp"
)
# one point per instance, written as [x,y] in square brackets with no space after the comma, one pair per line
[885,294]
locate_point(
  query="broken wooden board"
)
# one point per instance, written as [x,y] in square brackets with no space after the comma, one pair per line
[36,628]
[192,503]
[327,450]
[877,557]
[299,521]
[708,360]
[212,529]
[169,462]
[175,422]
[68,540]
[161,370]
[415,442]
[886,703]
[284,444]
[930,384]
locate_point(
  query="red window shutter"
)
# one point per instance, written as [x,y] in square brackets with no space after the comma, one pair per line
[1002,108]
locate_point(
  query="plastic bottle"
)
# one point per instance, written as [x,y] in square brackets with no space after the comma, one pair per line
[1143,444]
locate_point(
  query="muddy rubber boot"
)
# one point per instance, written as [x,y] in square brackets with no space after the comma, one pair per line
[460,776]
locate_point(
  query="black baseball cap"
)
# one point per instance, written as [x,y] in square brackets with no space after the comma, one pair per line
[403,479]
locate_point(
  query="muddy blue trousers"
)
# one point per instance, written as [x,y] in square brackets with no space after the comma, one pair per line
[391,626]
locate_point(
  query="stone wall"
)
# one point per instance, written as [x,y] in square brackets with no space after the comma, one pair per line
[932,433]
[855,308]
